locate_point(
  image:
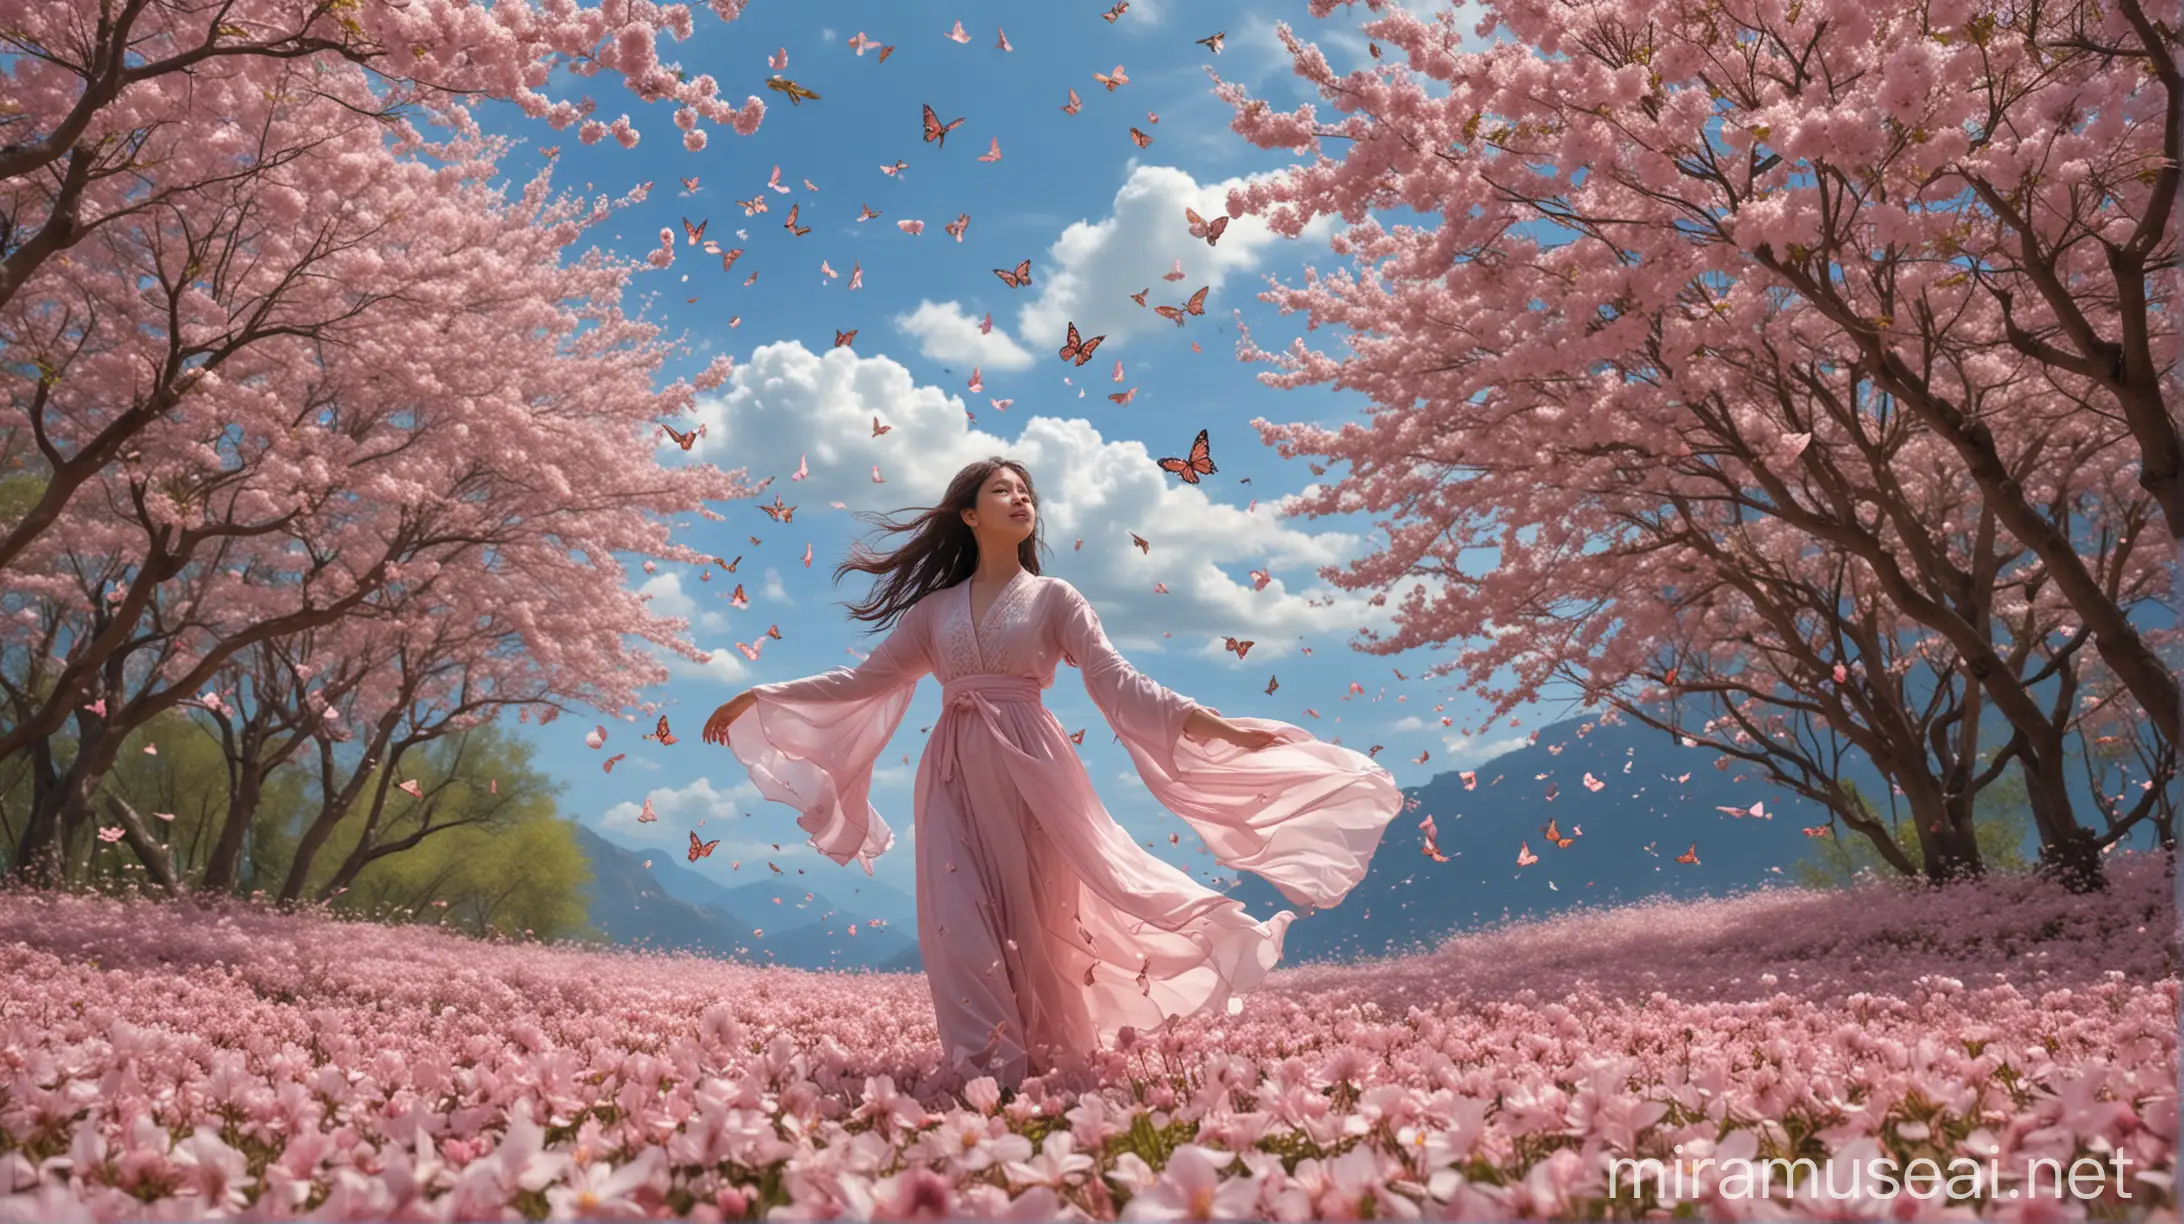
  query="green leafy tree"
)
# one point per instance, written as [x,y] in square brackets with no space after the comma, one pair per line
[487,847]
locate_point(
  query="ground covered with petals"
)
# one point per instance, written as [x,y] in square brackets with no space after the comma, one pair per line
[167,1061]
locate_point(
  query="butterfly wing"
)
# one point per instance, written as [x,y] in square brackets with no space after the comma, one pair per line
[1202,454]
[1084,353]
[1197,304]
[1170,312]
[932,124]
[1069,349]
[1213,231]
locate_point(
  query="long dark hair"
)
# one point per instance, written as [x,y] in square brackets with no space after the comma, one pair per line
[941,551]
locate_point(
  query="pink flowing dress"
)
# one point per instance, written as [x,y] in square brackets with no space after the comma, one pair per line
[1044,926]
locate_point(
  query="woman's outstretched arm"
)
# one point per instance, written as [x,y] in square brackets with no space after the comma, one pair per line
[900,658]
[1135,705]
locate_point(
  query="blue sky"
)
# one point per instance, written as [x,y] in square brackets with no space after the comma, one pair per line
[1099,218]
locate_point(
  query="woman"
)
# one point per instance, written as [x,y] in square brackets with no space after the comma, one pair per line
[1044,927]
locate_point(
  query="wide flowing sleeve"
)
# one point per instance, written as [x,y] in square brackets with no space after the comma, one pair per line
[811,743]
[1304,815]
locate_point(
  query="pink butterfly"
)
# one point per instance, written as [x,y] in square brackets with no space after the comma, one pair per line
[956,227]
[1118,369]
[993,151]
[647,816]
[775,182]
[1003,44]
[807,555]
[856,276]
[957,34]
[750,650]
[911,227]
[876,479]
[409,786]
[607,765]
[1000,405]
[778,60]
[828,269]
[596,737]
[1175,273]
[985,325]
[803,469]
[1259,579]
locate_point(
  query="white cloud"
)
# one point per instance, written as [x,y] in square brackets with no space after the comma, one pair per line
[678,809]
[1094,267]
[945,333]
[772,588]
[1465,751]
[666,593]
[786,401]
[1408,723]
[722,666]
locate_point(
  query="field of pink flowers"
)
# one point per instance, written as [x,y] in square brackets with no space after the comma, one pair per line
[163,1061]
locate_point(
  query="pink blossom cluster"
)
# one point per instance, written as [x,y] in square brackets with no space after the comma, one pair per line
[257,1065]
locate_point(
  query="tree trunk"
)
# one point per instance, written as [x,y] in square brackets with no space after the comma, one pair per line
[38,852]
[227,852]
[149,850]
[2075,862]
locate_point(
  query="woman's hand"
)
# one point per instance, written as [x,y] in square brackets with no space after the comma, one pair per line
[716,727]
[1204,724]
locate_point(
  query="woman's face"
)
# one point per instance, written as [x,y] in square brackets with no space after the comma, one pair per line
[1004,510]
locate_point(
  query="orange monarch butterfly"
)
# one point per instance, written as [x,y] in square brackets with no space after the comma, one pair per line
[1121,7]
[728,258]
[1241,648]
[699,849]
[739,599]
[956,227]
[1141,138]
[1124,397]
[691,183]
[796,92]
[936,132]
[1079,350]
[1272,683]
[774,632]
[886,51]
[843,339]
[1143,545]
[681,439]
[1199,464]
[778,512]
[868,212]
[1016,279]
[696,233]
[729,566]
[791,225]
[1212,42]
[1075,104]
[1139,296]
[1077,738]
[753,206]
[1196,306]
[1689,856]
[1202,228]
[878,429]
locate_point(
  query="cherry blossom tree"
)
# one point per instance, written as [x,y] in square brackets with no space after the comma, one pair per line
[496,408]
[119,107]
[1973,203]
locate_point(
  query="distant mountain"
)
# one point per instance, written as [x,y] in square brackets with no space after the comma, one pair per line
[1633,829]
[669,906]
